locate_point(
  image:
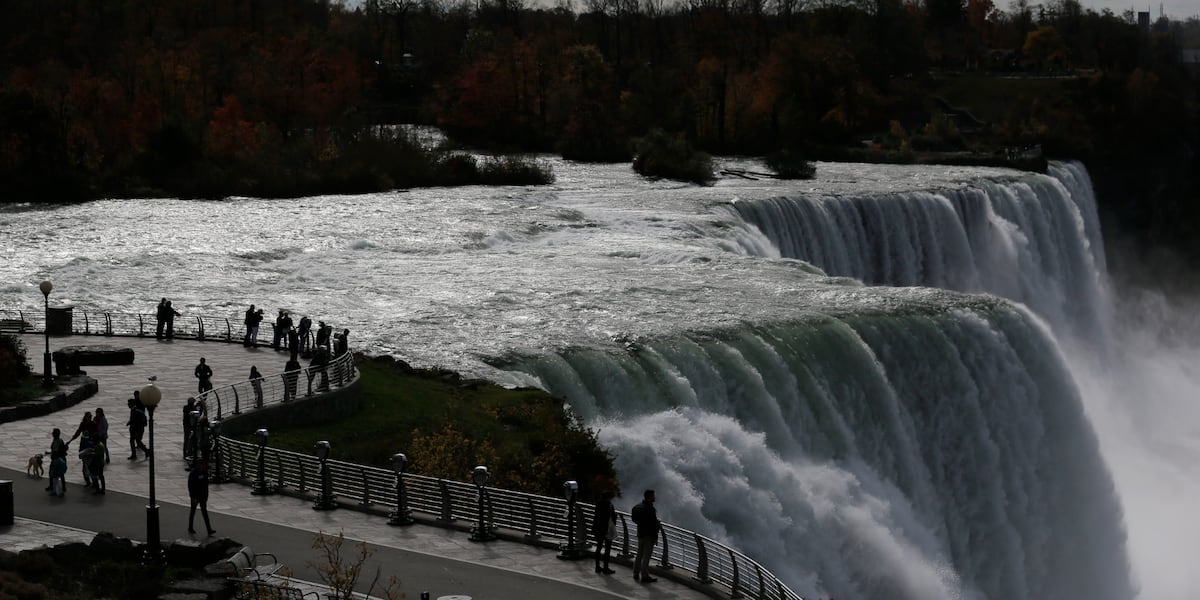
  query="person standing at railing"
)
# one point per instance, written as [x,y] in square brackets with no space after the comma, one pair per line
[305,331]
[317,366]
[291,377]
[604,529]
[253,318]
[188,425]
[160,318]
[323,332]
[204,373]
[169,314]
[293,339]
[648,527]
[342,344]
[256,383]
[278,334]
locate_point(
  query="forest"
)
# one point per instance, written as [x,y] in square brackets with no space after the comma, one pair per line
[211,98]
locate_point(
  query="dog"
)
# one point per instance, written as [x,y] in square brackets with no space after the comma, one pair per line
[34,468]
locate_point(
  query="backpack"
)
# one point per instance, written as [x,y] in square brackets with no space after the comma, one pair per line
[638,513]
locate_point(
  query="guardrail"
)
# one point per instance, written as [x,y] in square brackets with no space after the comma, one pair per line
[230,400]
[537,517]
[86,322]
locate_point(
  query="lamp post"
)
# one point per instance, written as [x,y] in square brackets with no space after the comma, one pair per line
[47,379]
[573,549]
[402,515]
[325,500]
[260,487]
[150,397]
[482,531]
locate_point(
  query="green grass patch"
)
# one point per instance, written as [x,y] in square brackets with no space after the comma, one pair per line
[447,425]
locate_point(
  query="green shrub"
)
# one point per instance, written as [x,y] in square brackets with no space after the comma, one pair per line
[515,170]
[14,365]
[660,154]
[790,164]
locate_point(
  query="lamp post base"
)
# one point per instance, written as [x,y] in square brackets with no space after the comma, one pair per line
[154,552]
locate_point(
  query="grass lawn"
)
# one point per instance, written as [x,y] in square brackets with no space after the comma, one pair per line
[447,425]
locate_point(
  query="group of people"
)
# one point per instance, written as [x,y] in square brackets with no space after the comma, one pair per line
[604,529]
[296,337]
[165,316]
[94,455]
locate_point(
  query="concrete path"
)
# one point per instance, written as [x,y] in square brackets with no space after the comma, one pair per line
[440,561]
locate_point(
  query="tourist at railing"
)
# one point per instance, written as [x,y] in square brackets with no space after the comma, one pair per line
[253,318]
[648,529]
[256,383]
[604,529]
[290,378]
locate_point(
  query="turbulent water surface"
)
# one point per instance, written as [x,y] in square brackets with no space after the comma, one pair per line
[825,373]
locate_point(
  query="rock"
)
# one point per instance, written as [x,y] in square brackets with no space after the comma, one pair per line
[70,555]
[184,596]
[186,552]
[109,546]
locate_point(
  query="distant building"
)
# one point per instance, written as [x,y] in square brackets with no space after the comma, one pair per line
[1144,20]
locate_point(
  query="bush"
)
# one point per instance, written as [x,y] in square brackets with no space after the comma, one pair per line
[660,154]
[789,164]
[14,365]
[515,170]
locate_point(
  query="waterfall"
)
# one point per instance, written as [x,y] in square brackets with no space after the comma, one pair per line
[922,445]
[1034,239]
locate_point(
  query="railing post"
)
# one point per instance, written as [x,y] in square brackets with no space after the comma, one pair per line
[625,553]
[447,509]
[199,328]
[702,558]
[533,534]
[237,402]
[665,563]
[279,481]
[141,326]
[108,324]
[228,331]
[736,584]
[302,472]
[366,499]
[762,585]
[87,328]
[779,588]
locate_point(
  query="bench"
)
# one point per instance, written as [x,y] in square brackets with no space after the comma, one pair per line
[245,565]
[269,589]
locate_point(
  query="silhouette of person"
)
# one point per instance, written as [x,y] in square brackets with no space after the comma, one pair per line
[101,424]
[290,378]
[189,439]
[304,332]
[198,494]
[96,466]
[316,366]
[204,373]
[604,529]
[343,343]
[256,383]
[278,335]
[169,314]
[323,331]
[161,318]
[648,527]
[251,327]
[287,324]
[136,425]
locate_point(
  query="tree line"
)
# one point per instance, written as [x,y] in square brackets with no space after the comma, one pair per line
[275,97]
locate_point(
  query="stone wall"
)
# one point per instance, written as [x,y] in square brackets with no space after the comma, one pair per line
[72,391]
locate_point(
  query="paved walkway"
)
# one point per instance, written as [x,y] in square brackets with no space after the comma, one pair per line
[440,561]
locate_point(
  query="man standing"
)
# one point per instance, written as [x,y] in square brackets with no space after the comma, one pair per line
[204,374]
[604,529]
[198,495]
[648,527]
[251,327]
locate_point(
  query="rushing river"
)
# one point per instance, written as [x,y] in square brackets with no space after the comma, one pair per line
[918,442]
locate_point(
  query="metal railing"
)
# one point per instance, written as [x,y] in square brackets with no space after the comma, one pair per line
[536,516]
[278,388]
[121,324]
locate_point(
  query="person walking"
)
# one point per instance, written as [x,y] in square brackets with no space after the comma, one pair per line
[204,373]
[648,526]
[198,494]
[101,422]
[86,429]
[604,529]
[256,380]
[58,464]
[137,426]
[96,465]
